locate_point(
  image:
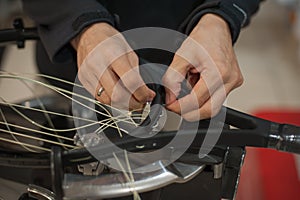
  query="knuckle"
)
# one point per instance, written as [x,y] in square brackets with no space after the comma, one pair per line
[166,80]
[130,83]
[192,117]
[171,79]
[134,60]
[206,112]
[189,118]
[188,44]
[142,96]
[240,80]
[112,53]
[184,59]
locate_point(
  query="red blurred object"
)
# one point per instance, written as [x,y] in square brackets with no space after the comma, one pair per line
[268,174]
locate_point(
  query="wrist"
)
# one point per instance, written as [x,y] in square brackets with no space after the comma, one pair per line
[210,20]
[213,18]
[89,33]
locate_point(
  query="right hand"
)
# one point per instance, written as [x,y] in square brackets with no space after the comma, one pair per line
[104,58]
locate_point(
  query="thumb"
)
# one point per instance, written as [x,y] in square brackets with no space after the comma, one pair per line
[173,78]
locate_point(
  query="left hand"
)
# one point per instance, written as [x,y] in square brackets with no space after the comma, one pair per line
[208,61]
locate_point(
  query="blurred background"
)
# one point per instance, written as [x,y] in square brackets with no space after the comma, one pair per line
[269,56]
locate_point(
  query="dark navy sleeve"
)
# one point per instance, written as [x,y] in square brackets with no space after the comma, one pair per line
[59,21]
[237,13]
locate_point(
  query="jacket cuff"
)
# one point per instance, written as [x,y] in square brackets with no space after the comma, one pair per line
[57,37]
[233,14]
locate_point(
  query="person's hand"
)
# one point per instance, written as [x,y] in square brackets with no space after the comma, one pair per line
[105,60]
[208,61]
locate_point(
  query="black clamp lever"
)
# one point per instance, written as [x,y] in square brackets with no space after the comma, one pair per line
[18,34]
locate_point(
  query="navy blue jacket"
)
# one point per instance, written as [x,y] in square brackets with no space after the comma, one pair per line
[59,21]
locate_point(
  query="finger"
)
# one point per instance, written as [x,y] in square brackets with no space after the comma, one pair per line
[103,98]
[119,96]
[210,80]
[92,85]
[173,78]
[210,108]
[86,77]
[130,77]
[200,93]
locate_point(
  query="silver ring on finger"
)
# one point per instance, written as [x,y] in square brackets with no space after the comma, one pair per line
[100,91]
